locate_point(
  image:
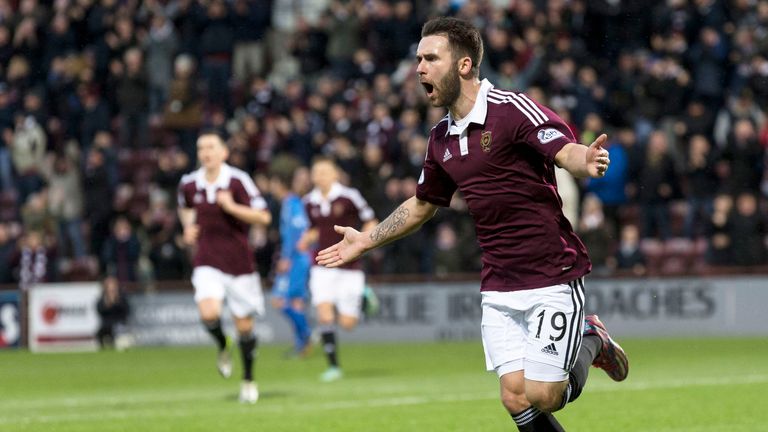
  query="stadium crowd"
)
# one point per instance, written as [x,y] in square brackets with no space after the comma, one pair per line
[101,102]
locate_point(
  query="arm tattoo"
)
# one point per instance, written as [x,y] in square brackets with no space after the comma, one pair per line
[390,225]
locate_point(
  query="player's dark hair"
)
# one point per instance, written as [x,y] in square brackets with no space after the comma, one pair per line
[216,133]
[282,168]
[322,158]
[463,38]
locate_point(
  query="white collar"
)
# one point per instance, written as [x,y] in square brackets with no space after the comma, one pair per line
[476,115]
[333,193]
[222,181]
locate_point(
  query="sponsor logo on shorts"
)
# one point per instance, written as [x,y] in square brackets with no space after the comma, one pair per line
[550,349]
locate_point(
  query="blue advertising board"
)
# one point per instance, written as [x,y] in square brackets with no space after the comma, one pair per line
[10,319]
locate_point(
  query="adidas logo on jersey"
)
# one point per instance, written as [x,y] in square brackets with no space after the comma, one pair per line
[550,349]
[447,155]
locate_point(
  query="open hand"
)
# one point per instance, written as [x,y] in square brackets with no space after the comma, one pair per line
[191,232]
[350,248]
[597,157]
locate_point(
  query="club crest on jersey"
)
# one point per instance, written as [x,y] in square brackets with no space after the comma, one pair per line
[548,135]
[198,198]
[485,141]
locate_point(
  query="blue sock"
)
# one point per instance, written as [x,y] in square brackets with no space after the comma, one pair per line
[300,326]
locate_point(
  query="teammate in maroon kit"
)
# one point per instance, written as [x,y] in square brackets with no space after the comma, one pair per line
[500,148]
[217,206]
[337,291]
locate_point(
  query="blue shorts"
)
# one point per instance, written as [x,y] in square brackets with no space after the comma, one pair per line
[292,284]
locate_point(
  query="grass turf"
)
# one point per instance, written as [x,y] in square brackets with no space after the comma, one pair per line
[702,385]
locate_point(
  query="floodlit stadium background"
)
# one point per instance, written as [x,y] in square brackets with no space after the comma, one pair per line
[100,103]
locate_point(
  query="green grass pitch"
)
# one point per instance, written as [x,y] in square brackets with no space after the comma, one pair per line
[680,385]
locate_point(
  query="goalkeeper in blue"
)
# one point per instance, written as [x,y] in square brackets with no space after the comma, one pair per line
[290,292]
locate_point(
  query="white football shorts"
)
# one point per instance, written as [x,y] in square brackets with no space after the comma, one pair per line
[538,331]
[242,293]
[342,287]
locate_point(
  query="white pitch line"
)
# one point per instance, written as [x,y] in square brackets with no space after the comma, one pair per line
[96,415]
[676,383]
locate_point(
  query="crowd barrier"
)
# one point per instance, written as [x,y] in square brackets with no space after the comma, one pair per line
[63,316]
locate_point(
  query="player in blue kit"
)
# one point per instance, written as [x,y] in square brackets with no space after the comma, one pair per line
[289,293]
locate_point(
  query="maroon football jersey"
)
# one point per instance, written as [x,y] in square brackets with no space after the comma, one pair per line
[223,240]
[344,206]
[501,158]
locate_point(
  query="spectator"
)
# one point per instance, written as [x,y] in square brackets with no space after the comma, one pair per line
[7,181]
[33,107]
[34,261]
[28,142]
[596,233]
[168,258]
[739,107]
[121,38]
[97,190]
[719,229]
[7,251]
[67,66]
[120,254]
[132,90]
[113,309]
[621,84]
[701,182]
[95,117]
[707,58]
[628,255]
[698,119]
[166,248]
[161,45]
[345,19]
[309,47]
[171,165]
[299,140]
[743,158]
[183,113]
[748,232]
[35,214]
[60,40]
[447,260]
[6,43]
[589,93]
[657,182]
[65,200]
[216,41]
[250,20]
[26,40]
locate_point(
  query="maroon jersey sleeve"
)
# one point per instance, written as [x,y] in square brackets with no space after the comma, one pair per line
[543,130]
[246,192]
[435,185]
[364,211]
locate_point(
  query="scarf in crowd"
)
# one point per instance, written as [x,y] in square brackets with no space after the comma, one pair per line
[34,265]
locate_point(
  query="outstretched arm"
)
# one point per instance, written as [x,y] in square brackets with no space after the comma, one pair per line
[404,220]
[583,161]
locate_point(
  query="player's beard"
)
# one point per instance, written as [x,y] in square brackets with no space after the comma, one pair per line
[449,89]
